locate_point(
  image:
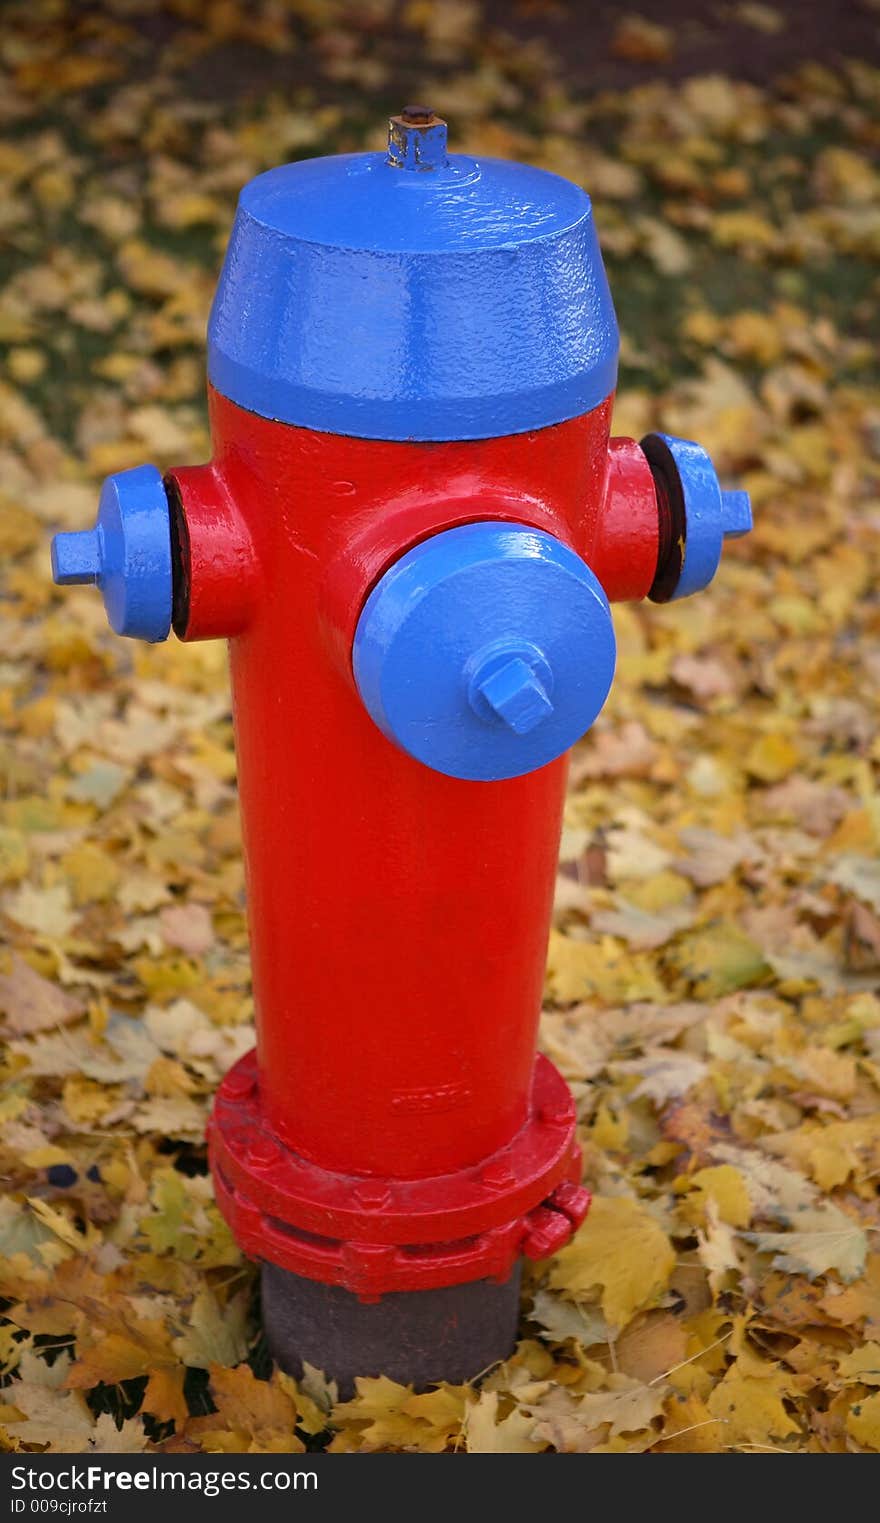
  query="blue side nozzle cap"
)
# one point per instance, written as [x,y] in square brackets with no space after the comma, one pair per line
[486,651]
[127,554]
[710,514]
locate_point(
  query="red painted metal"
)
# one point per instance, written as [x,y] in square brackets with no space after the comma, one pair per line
[374,1234]
[398,918]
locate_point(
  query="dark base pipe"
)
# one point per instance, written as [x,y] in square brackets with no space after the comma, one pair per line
[414,1337]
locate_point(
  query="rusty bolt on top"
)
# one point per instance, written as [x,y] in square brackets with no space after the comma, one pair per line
[417,139]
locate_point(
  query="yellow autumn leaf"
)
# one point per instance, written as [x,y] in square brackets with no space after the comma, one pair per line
[164,1396]
[832,1152]
[863,1421]
[62,1226]
[719,959]
[252,1417]
[689,1427]
[620,1251]
[772,757]
[609,1128]
[862,1365]
[722,1184]
[122,1353]
[600,969]
[751,1407]
[486,1434]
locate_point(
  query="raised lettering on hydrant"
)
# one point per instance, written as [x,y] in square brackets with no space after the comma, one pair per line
[410,532]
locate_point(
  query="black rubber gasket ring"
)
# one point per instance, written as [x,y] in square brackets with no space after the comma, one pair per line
[672,517]
[180,559]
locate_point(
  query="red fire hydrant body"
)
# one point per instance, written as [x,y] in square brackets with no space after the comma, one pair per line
[394,1147]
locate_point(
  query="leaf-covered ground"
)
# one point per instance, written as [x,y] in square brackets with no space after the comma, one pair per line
[712,990]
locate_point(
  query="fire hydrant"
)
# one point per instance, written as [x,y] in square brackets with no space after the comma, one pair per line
[410,534]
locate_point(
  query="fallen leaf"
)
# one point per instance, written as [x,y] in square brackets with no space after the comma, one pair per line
[863,1421]
[751,1407]
[32,1003]
[484,1434]
[622,1252]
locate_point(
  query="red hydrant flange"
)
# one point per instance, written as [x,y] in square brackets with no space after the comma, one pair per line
[374,1235]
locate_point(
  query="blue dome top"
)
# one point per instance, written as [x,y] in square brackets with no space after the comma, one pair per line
[359,201]
[442,298]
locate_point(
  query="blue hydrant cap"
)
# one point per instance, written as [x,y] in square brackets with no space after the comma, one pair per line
[127,554]
[413,294]
[486,651]
[711,514]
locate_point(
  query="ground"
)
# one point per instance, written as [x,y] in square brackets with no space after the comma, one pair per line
[712,990]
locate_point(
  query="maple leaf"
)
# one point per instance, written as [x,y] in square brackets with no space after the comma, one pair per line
[627,1406]
[724,1187]
[187,926]
[750,1404]
[825,1238]
[61,1422]
[832,1152]
[132,1350]
[44,911]
[861,1365]
[164,1396]
[863,1421]
[485,1434]
[215,1334]
[776,1192]
[390,1416]
[562,1319]
[651,1347]
[622,1252]
[663,1075]
[32,1003]
[252,1417]
[857,1304]
[690,1428]
[717,1248]
[126,1438]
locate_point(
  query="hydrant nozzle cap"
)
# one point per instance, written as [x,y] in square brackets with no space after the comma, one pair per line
[127,554]
[486,651]
[704,515]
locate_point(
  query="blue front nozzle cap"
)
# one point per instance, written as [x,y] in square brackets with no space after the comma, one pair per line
[127,554]
[486,651]
[710,515]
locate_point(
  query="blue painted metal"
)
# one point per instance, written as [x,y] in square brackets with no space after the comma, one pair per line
[127,554]
[736,514]
[486,651]
[711,515]
[513,682]
[359,297]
